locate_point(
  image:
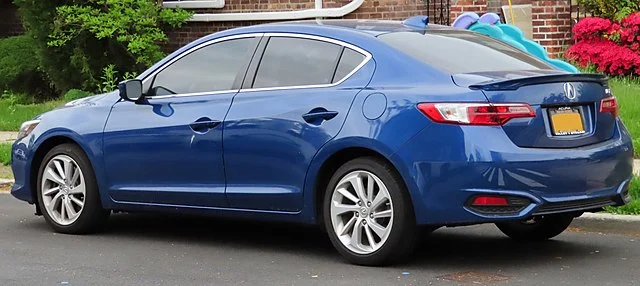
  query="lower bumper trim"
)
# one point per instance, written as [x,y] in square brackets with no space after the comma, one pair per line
[577,205]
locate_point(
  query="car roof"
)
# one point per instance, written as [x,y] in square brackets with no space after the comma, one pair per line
[364,27]
[372,27]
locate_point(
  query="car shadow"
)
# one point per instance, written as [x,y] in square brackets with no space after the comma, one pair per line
[445,248]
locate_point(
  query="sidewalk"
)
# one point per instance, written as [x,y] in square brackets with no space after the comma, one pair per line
[8,136]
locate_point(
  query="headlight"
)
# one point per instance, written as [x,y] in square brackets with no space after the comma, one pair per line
[27,127]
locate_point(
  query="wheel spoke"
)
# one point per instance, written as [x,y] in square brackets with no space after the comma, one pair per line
[79,189]
[68,171]
[71,213]
[356,235]
[50,191]
[377,228]
[338,208]
[63,209]
[372,241]
[348,226]
[60,170]
[358,186]
[348,195]
[382,214]
[54,200]
[77,201]
[75,177]
[380,198]
[51,175]
[370,184]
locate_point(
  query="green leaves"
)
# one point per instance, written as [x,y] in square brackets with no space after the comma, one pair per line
[133,24]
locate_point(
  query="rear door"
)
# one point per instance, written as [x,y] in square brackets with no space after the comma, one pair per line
[293,103]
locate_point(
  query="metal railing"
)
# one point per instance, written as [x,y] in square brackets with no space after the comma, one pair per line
[438,11]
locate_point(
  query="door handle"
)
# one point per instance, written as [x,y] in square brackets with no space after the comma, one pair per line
[319,114]
[204,124]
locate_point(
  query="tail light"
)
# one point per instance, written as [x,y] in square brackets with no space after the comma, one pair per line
[609,104]
[475,113]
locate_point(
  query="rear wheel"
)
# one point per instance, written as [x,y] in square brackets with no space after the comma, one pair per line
[68,192]
[537,228]
[368,214]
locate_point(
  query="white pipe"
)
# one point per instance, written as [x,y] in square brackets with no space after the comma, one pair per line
[280,15]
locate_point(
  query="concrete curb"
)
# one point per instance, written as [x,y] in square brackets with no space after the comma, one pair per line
[607,223]
[610,217]
[5,182]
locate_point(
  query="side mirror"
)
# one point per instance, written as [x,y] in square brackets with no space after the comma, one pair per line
[131,90]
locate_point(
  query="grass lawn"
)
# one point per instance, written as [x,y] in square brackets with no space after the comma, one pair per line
[628,94]
[12,116]
[5,154]
[633,208]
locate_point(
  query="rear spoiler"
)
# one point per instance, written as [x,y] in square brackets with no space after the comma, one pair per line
[513,84]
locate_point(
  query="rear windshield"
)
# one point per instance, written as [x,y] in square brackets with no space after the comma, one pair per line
[458,51]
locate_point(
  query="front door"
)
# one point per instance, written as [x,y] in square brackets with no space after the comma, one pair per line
[167,150]
[296,100]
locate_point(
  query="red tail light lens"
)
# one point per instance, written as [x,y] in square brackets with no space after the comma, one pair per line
[490,201]
[475,113]
[609,104]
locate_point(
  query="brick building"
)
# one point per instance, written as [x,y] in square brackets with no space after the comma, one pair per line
[10,24]
[550,19]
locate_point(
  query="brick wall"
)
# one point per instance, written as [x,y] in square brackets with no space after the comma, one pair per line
[460,6]
[10,24]
[370,9]
[551,21]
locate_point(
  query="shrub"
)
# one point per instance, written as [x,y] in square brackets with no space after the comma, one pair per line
[610,9]
[612,47]
[77,40]
[19,68]
[74,94]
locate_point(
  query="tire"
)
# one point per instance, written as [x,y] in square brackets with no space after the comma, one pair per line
[394,214]
[67,168]
[538,229]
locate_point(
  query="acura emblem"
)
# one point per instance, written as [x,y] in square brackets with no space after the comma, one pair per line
[569,90]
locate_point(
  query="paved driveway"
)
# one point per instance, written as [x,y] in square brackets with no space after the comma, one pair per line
[162,250]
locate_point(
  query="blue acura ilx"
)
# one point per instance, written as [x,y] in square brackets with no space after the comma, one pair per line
[370,129]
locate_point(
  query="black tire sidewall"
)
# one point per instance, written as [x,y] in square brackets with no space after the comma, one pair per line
[550,226]
[92,214]
[401,239]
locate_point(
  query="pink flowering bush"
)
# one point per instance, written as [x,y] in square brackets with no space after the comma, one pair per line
[612,47]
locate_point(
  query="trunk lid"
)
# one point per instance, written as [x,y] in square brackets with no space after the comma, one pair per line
[567,106]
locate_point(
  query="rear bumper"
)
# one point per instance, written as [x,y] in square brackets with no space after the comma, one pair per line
[474,160]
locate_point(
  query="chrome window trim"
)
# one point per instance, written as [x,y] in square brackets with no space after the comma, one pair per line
[187,52]
[366,54]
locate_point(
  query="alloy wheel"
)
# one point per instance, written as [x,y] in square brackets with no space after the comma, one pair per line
[361,212]
[63,189]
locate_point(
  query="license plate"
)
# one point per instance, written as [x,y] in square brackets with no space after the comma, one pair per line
[566,121]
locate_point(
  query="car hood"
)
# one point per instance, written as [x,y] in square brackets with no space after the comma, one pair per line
[99,99]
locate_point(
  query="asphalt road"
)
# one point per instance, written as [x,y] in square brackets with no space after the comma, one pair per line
[169,250]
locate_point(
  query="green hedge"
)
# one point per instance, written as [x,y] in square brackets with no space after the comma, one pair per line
[19,69]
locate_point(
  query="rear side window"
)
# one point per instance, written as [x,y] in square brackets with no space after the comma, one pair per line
[462,51]
[295,62]
[349,60]
[211,68]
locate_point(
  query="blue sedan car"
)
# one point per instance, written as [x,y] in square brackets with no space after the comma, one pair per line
[373,130]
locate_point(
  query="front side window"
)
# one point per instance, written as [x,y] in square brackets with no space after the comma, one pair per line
[210,68]
[462,51]
[295,62]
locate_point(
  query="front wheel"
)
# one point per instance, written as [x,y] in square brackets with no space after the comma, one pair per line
[68,192]
[537,228]
[368,214]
